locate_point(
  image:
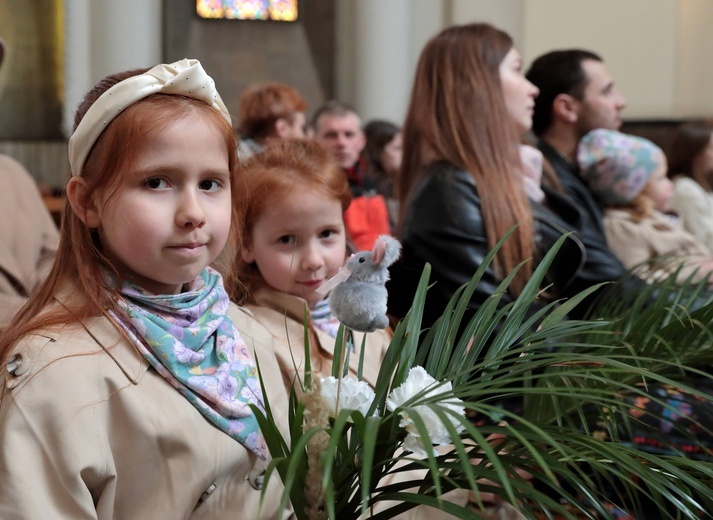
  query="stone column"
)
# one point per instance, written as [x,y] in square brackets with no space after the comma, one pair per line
[77,58]
[382,72]
[375,49]
[105,36]
[126,34]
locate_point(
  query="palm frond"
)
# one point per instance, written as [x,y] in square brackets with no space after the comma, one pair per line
[567,452]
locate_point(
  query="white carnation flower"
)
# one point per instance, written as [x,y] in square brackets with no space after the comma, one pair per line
[421,383]
[353,395]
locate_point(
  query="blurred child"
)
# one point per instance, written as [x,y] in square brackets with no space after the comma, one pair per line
[691,169]
[293,241]
[269,110]
[383,153]
[128,377]
[627,174]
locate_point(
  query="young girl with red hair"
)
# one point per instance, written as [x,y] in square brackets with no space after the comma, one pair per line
[294,240]
[129,379]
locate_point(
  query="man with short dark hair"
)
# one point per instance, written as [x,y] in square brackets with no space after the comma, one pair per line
[577,94]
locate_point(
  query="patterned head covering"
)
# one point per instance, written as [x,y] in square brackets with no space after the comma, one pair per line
[617,166]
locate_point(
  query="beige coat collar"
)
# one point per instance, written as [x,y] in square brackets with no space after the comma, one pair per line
[108,335]
[295,308]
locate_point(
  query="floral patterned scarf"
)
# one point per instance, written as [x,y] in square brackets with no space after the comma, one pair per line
[323,319]
[191,341]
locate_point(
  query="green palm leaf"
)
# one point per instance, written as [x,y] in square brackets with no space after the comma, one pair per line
[575,379]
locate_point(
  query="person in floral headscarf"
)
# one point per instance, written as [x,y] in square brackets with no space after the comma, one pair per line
[627,174]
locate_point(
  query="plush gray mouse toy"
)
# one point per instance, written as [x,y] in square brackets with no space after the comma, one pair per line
[359,302]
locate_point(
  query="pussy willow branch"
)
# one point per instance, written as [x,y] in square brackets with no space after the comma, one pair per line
[316,416]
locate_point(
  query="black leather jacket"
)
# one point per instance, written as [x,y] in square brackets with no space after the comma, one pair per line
[601,261]
[444,227]
[601,264]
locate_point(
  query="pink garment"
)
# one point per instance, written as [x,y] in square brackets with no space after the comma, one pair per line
[531,159]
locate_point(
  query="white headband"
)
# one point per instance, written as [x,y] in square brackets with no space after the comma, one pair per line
[185,77]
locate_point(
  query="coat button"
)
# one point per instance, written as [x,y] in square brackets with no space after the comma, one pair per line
[208,492]
[17,364]
[257,478]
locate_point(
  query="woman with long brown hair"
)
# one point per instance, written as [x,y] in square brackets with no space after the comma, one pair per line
[462,184]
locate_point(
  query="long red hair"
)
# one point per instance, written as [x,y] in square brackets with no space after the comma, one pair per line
[261,105]
[285,165]
[457,113]
[81,261]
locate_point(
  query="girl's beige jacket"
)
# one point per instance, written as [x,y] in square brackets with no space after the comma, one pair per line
[89,431]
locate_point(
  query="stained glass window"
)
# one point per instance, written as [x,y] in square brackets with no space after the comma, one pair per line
[280,10]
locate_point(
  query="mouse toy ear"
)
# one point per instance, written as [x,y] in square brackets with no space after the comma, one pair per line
[386,250]
[377,254]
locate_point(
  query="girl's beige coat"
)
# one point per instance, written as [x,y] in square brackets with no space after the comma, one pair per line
[88,430]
